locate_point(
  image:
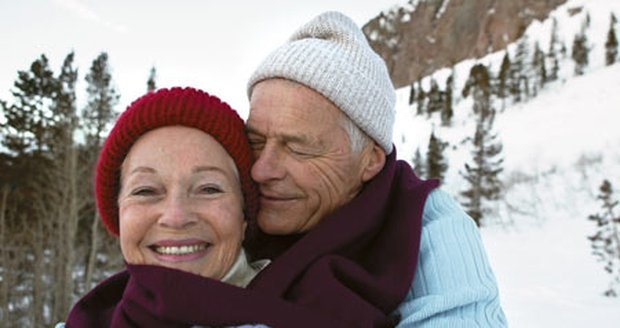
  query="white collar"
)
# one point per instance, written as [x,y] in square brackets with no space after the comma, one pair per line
[242,272]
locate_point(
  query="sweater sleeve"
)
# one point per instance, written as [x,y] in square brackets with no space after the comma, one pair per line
[454,285]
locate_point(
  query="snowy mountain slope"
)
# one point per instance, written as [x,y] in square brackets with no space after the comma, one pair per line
[562,144]
[558,148]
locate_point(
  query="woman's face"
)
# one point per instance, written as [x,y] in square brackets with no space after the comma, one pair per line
[180,203]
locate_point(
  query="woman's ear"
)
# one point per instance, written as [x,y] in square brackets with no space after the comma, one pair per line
[375,160]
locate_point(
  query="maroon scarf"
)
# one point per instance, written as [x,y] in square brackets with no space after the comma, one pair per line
[352,270]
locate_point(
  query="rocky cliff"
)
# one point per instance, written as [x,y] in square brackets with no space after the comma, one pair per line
[422,36]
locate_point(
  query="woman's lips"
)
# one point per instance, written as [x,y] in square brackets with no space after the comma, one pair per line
[179,251]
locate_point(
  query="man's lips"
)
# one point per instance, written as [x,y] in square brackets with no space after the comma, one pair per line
[277,197]
[276,202]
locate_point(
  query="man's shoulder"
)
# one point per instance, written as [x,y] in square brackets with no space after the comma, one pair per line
[441,206]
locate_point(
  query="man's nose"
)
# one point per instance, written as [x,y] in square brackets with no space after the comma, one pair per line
[268,164]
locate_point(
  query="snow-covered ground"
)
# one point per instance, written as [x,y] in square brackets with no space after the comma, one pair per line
[568,141]
[558,148]
[566,144]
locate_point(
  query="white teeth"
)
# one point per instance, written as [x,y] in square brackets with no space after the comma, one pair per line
[179,250]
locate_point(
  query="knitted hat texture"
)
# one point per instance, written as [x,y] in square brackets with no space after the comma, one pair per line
[167,107]
[331,55]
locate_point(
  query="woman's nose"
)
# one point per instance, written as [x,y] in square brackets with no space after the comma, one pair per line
[177,213]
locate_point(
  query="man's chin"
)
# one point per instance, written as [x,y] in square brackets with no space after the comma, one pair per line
[273,224]
[282,224]
[274,229]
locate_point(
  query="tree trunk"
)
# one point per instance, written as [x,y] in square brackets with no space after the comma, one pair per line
[69,232]
[4,287]
[92,256]
[38,296]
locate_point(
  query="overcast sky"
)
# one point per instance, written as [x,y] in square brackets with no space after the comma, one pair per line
[212,45]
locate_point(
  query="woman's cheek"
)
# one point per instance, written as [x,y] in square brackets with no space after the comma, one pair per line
[132,232]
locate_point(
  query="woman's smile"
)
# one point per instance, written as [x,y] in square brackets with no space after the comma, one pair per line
[180,251]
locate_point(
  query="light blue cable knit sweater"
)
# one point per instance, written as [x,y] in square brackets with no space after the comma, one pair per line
[454,285]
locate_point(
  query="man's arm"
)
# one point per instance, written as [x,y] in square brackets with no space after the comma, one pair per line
[454,285]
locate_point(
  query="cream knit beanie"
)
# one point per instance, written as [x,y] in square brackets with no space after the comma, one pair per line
[330,55]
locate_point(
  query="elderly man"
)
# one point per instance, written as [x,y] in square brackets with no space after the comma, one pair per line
[354,234]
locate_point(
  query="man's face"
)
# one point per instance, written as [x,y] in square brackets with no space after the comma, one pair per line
[304,165]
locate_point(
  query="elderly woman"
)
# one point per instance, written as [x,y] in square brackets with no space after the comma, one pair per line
[173,182]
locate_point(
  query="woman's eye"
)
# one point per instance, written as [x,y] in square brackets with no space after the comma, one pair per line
[210,189]
[143,191]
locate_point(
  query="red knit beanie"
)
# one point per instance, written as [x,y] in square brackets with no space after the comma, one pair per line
[177,106]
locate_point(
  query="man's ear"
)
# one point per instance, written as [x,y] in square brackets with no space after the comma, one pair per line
[245,229]
[375,160]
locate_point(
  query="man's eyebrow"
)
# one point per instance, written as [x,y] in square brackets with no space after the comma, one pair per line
[249,129]
[299,138]
[292,138]
[288,137]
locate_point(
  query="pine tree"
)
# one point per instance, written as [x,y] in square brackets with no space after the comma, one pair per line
[580,50]
[540,69]
[28,131]
[503,79]
[66,176]
[412,94]
[64,107]
[29,118]
[421,99]
[552,54]
[151,82]
[563,50]
[418,164]
[611,45]
[27,138]
[482,174]
[436,163]
[447,110]
[520,70]
[435,101]
[606,241]
[580,53]
[96,117]
[478,84]
[102,97]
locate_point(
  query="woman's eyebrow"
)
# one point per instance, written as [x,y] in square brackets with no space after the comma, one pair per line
[142,169]
[208,168]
